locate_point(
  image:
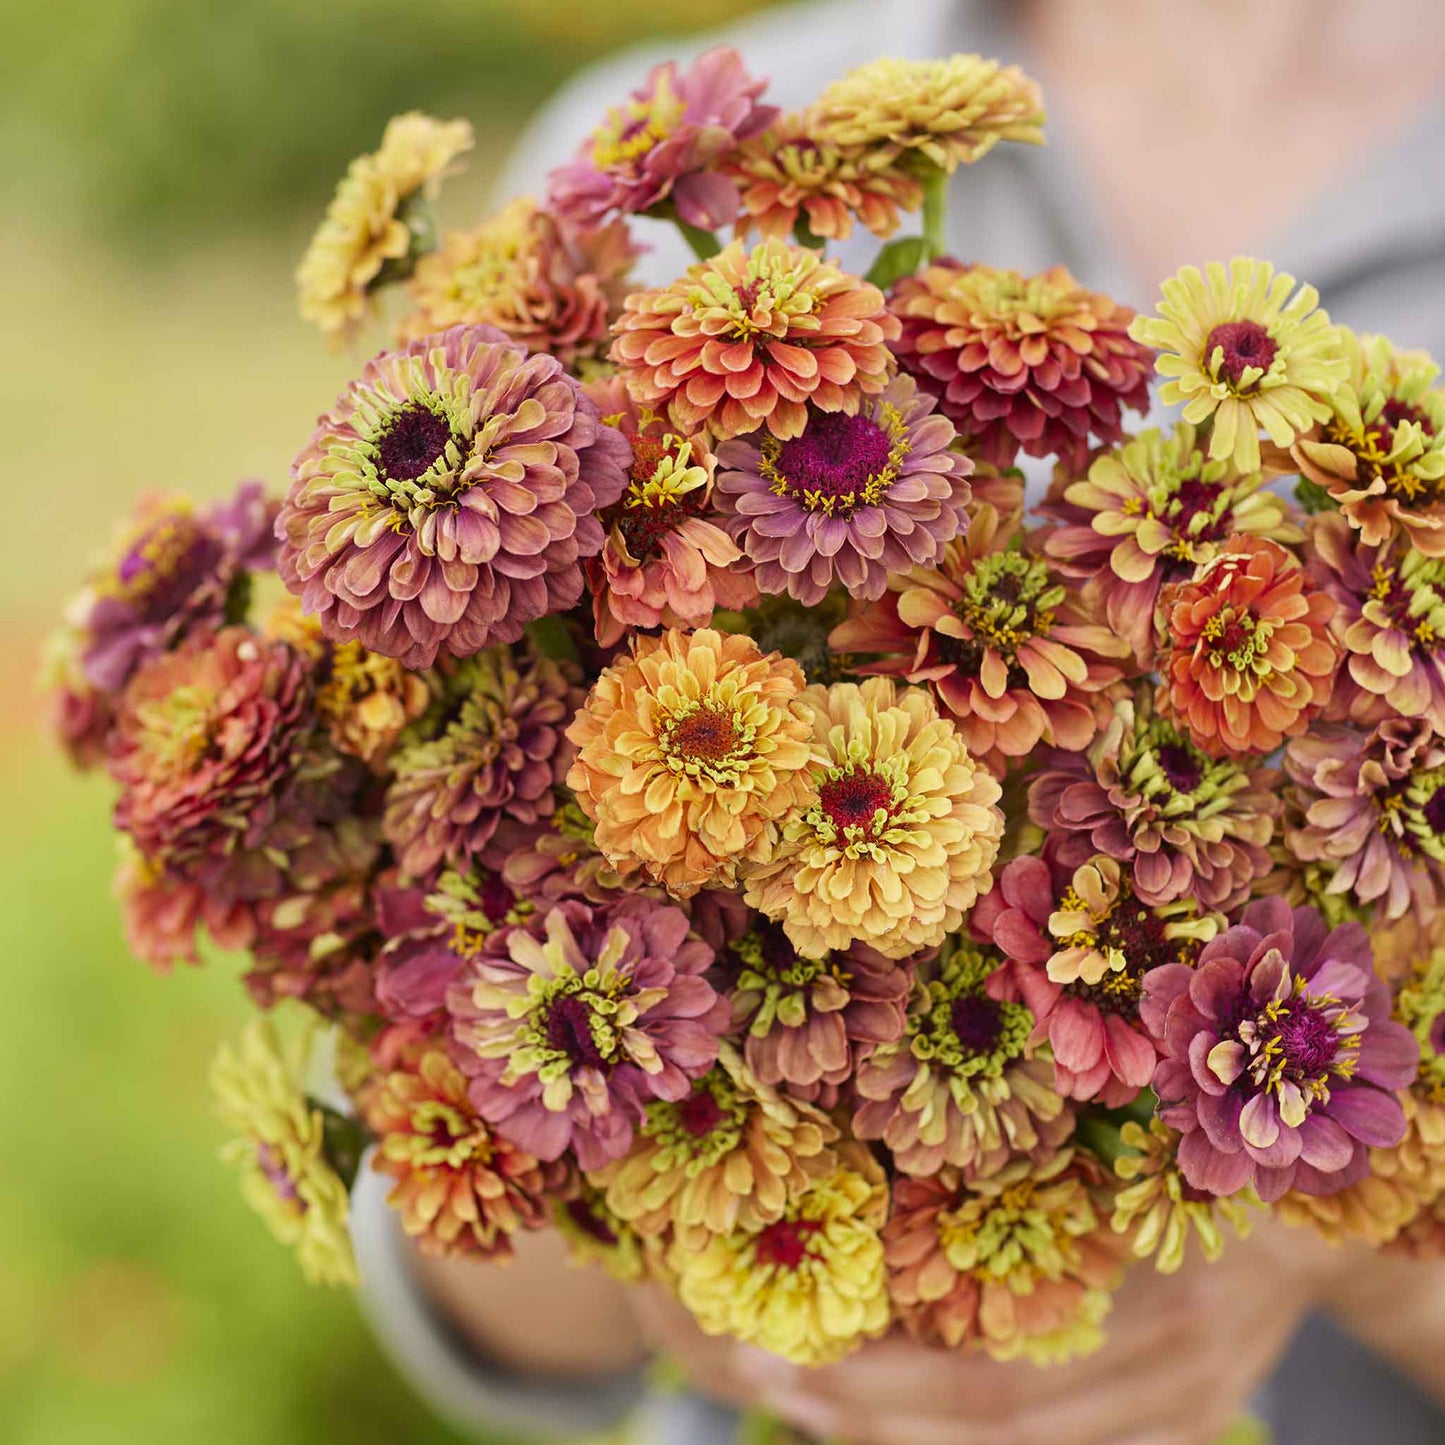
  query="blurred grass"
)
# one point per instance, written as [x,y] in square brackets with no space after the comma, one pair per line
[161,163]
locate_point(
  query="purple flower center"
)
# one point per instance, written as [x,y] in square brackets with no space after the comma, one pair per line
[270,1163]
[1436,1035]
[496,899]
[569,1031]
[1180,766]
[699,1113]
[785,1243]
[415,439]
[1434,811]
[834,460]
[166,564]
[586,1219]
[976,1020]
[1308,1040]
[852,800]
[1245,344]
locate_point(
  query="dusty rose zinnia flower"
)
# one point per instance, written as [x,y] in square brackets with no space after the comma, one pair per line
[1183,822]
[448,498]
[1077,945]
[1372,812]
[1003,644]
[690,752]
[1146,515]
[662,145]
[490,747]
[895,833]
[549,289]
[1280,1059]
[749,338]
[962,1086]
[1018,361]
[667,560]
[161,914]
[850,499]
[569,1025]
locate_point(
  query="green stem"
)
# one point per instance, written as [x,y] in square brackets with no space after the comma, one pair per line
[935,213]
[705,245]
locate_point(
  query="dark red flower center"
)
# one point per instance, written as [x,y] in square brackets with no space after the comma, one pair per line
[415,439]
[1192,497]
[786,1242]
[569,1031]
[834,458]
[1245,344]
[1436,1035]
[699,1113]
[707,733]
[977,1020]
[496,899]
[1308,1040]
[1183,769]
[1434,811]
[852,800]
[586,1219]
[1394,412]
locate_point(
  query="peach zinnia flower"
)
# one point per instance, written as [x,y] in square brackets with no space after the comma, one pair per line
[690,752]
[1248,659]
[748,338]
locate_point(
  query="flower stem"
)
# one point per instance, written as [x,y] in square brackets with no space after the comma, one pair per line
[935,213]
[705,244]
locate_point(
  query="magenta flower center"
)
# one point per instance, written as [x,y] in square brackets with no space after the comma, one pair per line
[165,565]
[569,1031]
[699,1113]
[830,466]
[977,1021]
[786,1243]
[853,800]
[1180,766]
[1308,1041]
[412,444]
[1244,344]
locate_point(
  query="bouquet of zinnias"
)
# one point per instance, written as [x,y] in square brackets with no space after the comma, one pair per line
[714,818]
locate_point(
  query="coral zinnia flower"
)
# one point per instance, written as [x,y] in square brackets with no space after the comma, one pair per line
[1017,361]
[1077,945]
[789,174]
[569,1025]
[1020,1263]
[373,222]
[490,747]
[962,1087]
[748,338]
[894,835]
[459,1189]
[851,499]
[548,289]
[1186,823]
[662,145]
[1003,644]
[1380,454]
[1389,623]
[667,562]
[1280,1059]
[939,112]
[1146,515]
[730,1155]
[448,498]
[1238,347]
[808,1286]
[1247,659]
[286,1176]
[690,751]
[1372,810]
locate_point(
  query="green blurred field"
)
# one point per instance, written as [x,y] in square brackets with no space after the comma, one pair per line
[161,162]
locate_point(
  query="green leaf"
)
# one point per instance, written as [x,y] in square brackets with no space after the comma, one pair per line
[897,259]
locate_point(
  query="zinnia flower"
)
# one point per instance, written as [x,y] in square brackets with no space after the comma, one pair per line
[850,499]
[1020,1264]
[549,289]
[1372,812]
[1148,514]
[894,835]
[593,1234]
[1077,945]
[459,1188]
[1380,454]
[1012,655]
[1280,1059]
[730,1155]
[1237,347]
[789,175]
[962,1086]
[1017,361]
[448,498]
[749,338]
[161,913]
[690,751]
[1247,659]
[490,747]
[667,562]
[285,1174]
[571,1024]
[662,145]
[1389,623]
[374,225]
[805,1020]
[808,1286]
[1184,823]
[930,112]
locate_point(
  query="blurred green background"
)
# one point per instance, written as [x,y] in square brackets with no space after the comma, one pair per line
[161,164]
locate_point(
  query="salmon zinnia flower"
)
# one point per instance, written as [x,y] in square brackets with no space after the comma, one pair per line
[1248,659]
[748,338]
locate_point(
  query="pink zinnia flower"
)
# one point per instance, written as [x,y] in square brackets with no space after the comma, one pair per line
[1281,1061]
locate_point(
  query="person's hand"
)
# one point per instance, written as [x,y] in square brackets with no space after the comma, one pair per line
[1184,1353]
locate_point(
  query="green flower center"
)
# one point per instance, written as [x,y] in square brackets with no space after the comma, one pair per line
[1007,599]
[957,1027]
[776,986]
[176,730]
[697,1132]
[1160,764]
